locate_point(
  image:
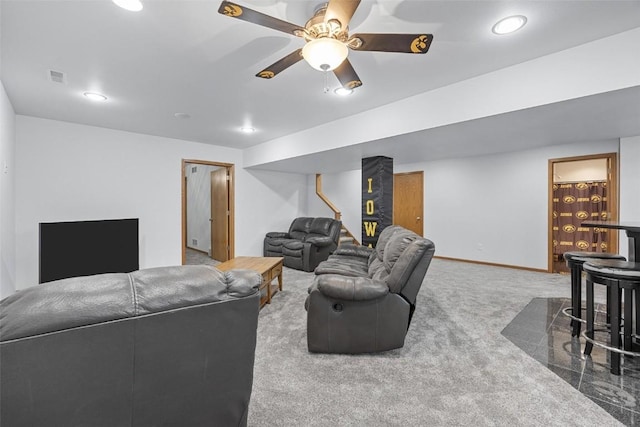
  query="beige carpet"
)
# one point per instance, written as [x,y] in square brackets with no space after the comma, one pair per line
[456,369]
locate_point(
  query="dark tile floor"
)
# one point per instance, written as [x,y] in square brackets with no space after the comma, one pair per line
[542,331]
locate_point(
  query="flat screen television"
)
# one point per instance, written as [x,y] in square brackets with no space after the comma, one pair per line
[83,248]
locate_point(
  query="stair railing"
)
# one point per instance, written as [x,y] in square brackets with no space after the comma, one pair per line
[336,211]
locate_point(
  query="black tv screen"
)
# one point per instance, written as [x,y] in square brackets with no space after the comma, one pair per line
[83,248]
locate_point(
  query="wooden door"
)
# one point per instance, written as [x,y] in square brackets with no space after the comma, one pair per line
[408,195]
[219,215]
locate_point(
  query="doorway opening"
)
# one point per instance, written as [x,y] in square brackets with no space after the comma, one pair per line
[408,201]
[208,211]
[580,189]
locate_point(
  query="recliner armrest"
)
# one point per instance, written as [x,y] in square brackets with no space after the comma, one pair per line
[320,241]
[351,288]
[242,282]
[280,234]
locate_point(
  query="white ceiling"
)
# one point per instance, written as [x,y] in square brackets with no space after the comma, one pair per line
[180,56]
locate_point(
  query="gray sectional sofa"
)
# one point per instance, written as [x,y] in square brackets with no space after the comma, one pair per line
[362,299]
[171,346]
[308,242]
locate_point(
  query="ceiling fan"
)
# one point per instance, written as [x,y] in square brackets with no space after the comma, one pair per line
[328,40]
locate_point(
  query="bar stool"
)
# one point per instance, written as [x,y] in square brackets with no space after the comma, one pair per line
[618,276]
[574,260]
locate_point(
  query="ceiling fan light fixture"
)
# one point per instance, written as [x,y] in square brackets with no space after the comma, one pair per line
[95,96]
[343,91]
[509,24]
[325,54]
[131,5]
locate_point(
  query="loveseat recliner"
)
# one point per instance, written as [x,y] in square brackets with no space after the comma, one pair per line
[308,242]
[362,299]
[169,346]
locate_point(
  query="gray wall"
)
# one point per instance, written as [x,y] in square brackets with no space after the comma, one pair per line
[7,195]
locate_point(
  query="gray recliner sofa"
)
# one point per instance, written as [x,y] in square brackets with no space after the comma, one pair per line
[362,299]
[308,242]
[170,346]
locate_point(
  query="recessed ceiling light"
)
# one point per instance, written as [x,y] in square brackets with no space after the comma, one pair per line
[95,96]
[509,25]
[182,116]
[247,129]
[132,5]
[343,91]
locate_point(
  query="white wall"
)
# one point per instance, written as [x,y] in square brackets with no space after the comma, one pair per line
[344,190]
[276,199]
[580,170]
[75,172]
[464,198]
[629,185]
[7,195]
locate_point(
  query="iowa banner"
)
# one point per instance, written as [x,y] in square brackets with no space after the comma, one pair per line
[377,197]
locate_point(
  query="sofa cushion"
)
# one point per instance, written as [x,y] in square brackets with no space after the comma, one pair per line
[350,249]
[350,266]
[380,274]
[406,263]
[293,245]
[300,228]
[293,248]
[319,241]
[351,288]
[106,297]
[277,242]
[320,226]
[396,245]
[375,265]
[383,239]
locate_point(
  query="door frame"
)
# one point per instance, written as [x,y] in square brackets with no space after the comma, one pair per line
[231,223]
[614,199]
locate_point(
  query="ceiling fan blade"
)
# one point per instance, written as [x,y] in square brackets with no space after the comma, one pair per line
[347,75]
[404,43]
[281,65]
[342,10]
[236,11]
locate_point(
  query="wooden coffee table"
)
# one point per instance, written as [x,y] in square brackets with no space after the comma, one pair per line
[269,267]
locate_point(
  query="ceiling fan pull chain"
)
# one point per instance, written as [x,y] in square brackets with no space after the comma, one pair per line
[325,67]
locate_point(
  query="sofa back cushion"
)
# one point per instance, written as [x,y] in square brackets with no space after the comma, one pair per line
[321,227]
[81,301]
[415,248]
[304,228]
[397,254]
[300,228]
[383,239]
[396,246]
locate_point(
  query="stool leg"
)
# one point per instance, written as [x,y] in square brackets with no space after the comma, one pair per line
[573,298]
[628,319]
[577,302]
[608,304]
[590,312]
[615,328]
[637,304]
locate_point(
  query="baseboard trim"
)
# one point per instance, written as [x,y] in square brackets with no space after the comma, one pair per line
[493,264]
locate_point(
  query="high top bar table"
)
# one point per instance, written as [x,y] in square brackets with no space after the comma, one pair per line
[633,234]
